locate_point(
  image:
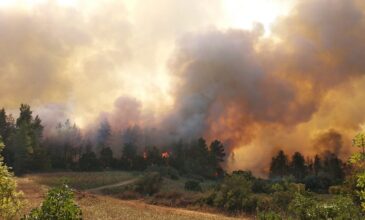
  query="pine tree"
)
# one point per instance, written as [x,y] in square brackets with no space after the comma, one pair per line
[279,166]
[106,157]
[297,166]
[317,166]
[217,151]
[103,135]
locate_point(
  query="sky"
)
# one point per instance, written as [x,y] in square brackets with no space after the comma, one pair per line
[260,75]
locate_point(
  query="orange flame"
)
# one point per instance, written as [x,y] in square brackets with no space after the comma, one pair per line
[165,154]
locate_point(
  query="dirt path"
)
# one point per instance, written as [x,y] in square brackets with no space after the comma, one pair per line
[123,183]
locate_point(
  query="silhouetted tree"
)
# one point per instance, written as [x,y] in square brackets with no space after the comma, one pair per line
[103,135]
[106,157]
[333,168]
[317,165]
[7,130]
[129,155]
[297,166]
[153,155]
[217,151]
[279,166]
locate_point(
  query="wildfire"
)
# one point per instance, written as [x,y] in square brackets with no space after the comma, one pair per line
[165,154]
[145,155]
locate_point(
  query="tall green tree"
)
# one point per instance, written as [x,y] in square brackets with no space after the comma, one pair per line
[279,166]
[7,130]
[317,165]
[297,166]
[217,151]
[106,157]
[10,202]
[28,151]
[129,155]
[103,135]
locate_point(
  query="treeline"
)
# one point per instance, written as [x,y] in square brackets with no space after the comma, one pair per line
[317,173]
[66,149]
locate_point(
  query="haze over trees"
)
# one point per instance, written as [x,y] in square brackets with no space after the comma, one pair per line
[65,148]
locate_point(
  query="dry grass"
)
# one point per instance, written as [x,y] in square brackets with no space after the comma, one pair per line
[107,208]
[82,180]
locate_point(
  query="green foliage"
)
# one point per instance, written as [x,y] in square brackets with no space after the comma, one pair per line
[359,141]
[297,166]
[358,160]
[106,157]
[58,205]
[89,162]
[279,166]
[217,154]
[335,190]
[10,202]
[309,208]
[270,215]
[317,184]
[129,155]
[149,184]
[164,171]
[234,194]
[192,185]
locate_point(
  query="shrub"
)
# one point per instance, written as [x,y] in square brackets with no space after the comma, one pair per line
[317,184]
[9,198]
[281,199]
[303,207]
[234,194]
[261,186]
[164,171]
[192,185]
[335,190]
[265,203]
[307,208]
[58,205]
[269,216]
[149,184]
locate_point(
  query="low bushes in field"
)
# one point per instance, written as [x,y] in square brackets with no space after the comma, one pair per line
[309,208]
[164,171]
[192,185]
[149,184]
[58,205]
[234,194]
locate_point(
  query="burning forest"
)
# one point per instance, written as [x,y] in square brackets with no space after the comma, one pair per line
[222,90]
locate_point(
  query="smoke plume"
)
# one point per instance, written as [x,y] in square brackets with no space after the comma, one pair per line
[176,75]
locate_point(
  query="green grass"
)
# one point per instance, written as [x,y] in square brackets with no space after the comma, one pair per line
[82,180]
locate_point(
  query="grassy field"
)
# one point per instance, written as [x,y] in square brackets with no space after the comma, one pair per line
[106,207]
[82,180]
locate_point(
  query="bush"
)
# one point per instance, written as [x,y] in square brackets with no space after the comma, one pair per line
[335,190]
[58,205]
[308,208]
[269,216]
[261,186]
[9,198]
[234,194]
[192,185]
[281,199]
[149,183]
[164,171]
[317,184]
